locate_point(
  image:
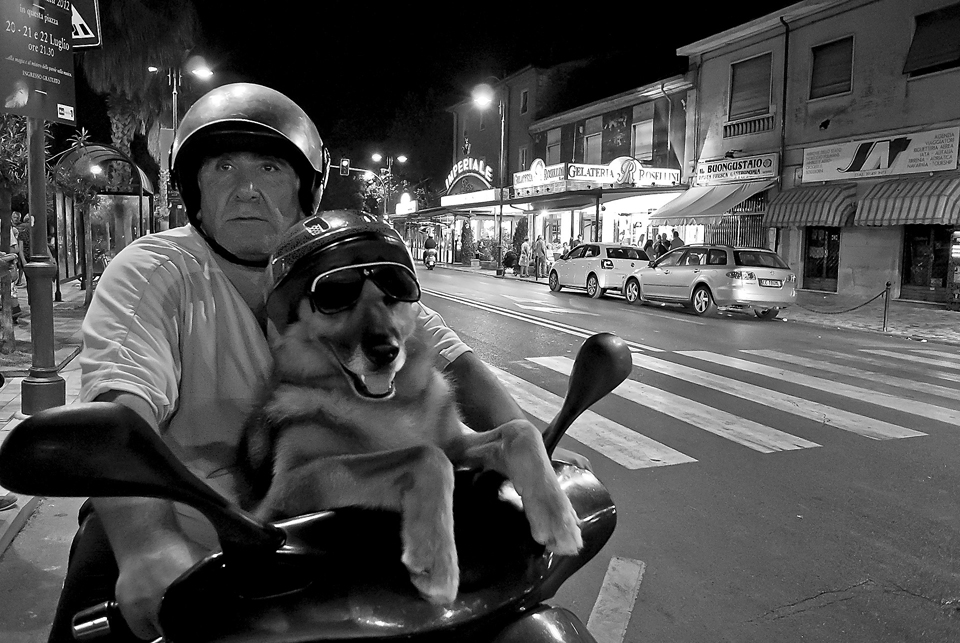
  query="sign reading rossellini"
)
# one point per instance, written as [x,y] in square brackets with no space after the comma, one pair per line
[622,171]
[930,151]
[747,168]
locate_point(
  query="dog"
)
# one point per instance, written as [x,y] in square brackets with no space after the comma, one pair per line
[356,413]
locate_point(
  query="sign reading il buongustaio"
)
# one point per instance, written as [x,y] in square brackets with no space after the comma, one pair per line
[930,151]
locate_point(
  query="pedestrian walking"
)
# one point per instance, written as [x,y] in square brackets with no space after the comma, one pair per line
[526,254]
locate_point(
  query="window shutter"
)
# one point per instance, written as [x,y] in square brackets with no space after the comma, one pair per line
[936,41]
[750,87]
[832,68]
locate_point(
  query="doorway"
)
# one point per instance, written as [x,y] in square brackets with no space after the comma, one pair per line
[821,258]
[926,255]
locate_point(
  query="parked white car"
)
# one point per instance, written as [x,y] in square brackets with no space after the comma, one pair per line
[596,267]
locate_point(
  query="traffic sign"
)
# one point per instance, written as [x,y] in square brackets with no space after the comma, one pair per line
[86,24]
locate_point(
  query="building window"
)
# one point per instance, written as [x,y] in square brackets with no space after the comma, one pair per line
[523,160]
[553,146]
[832,68]
[592,139]
[935,46]
[750,87]
[524,101]
[642,144]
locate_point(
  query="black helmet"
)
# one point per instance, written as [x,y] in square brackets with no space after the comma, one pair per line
[330,242]
[248,117]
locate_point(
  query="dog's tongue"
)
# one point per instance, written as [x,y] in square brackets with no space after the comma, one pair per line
[377,385]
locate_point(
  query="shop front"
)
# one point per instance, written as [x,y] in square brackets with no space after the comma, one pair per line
[725,204]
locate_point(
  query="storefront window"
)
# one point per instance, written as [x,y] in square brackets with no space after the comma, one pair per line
[926,254]
[821,258]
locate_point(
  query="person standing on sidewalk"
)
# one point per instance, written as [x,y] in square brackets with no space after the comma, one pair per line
[526,254]
[539,257]
[177,331]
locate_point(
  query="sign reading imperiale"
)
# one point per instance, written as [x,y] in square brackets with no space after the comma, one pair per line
[748,168]
[930,151]
[622,171]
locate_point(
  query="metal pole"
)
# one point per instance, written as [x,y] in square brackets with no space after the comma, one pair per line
[500,270]
[886,305]
[43,388]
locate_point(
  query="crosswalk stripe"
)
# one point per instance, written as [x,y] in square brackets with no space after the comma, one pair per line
[748,433]
[919,368]
[611,613]
[939,353]
[912,358]
[615,441]
[899,382]
[913,407]
[821,413]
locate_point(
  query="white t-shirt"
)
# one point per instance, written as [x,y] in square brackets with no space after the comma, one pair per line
[166,324]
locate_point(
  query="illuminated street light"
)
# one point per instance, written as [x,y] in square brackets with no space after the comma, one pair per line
[483,95]
[377,157]
[95,169]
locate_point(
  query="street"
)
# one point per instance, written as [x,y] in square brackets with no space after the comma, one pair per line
[775,481]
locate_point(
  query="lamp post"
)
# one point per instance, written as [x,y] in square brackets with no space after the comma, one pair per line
[400,158]
[482,98]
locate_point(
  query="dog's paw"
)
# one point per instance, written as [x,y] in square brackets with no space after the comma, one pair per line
[433,568]
[553,522]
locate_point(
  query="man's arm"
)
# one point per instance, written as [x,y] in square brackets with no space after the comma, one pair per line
[146,539]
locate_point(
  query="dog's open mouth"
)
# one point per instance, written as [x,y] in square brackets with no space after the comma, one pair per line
[374,386]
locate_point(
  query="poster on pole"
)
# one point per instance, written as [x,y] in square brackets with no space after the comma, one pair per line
[36,60]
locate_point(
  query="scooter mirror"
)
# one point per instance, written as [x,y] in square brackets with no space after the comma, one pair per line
[601,364]
[106,449]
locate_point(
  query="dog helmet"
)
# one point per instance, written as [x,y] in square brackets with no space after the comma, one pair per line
[325,241]
[254,118]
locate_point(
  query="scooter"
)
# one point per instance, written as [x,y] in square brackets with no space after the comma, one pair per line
[332,575]
[430,258]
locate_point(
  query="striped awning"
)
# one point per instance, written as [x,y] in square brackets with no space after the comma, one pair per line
[828,205]
[900,202]
[706,205]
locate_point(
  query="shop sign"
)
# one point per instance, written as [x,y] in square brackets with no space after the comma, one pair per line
[539,174]
[747,168]
[480,196]
[36,60]
[930,151]
[470,167]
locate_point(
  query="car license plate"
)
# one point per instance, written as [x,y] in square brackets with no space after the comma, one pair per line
[771,283]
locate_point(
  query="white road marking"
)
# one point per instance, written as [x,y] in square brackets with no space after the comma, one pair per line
[611,613]
[918,368]
[624,446]
[748,433]
[913,358]
[937,353]
[913,407]
[826,415]
[899,382]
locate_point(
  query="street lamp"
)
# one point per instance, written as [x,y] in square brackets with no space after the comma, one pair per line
[377,157]
[483,95]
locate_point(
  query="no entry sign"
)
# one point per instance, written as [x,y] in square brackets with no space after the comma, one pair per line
[36,60]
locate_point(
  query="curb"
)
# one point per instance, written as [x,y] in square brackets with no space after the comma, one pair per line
[23,515]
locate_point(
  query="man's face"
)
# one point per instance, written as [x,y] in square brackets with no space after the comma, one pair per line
[247,202]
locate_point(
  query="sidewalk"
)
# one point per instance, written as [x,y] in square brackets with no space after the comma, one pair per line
[910,320]
[67,316]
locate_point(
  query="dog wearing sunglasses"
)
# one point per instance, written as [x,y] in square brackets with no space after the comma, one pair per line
[358,414]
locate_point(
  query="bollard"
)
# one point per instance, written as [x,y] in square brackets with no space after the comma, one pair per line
[886,305]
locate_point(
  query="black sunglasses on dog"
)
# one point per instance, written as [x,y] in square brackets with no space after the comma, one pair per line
[338,290]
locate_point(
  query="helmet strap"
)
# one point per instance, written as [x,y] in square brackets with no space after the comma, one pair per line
[229,256]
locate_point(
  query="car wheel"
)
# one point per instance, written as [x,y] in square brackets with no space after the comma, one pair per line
[632,291]
[702,302]
[766,313]
[593,287]
[555,281]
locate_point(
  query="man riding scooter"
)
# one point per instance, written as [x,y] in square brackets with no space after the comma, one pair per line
[430,252]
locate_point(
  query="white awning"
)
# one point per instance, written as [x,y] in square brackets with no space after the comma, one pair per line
[706,205]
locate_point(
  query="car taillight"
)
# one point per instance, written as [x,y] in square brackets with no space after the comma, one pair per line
[606,264]
[741,274]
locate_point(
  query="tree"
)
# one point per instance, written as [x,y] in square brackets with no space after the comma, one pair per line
[13,179]
[468,248]
[519,235]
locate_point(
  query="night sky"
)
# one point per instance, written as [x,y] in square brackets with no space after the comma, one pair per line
[354,66]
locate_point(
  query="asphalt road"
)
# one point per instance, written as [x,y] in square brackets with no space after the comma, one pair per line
[774,481]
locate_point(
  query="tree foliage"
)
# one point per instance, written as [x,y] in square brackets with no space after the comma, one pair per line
[468,248]
[519,234]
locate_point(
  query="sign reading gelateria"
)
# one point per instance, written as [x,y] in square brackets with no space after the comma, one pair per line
[930,151]
[747,168]
[621,172]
